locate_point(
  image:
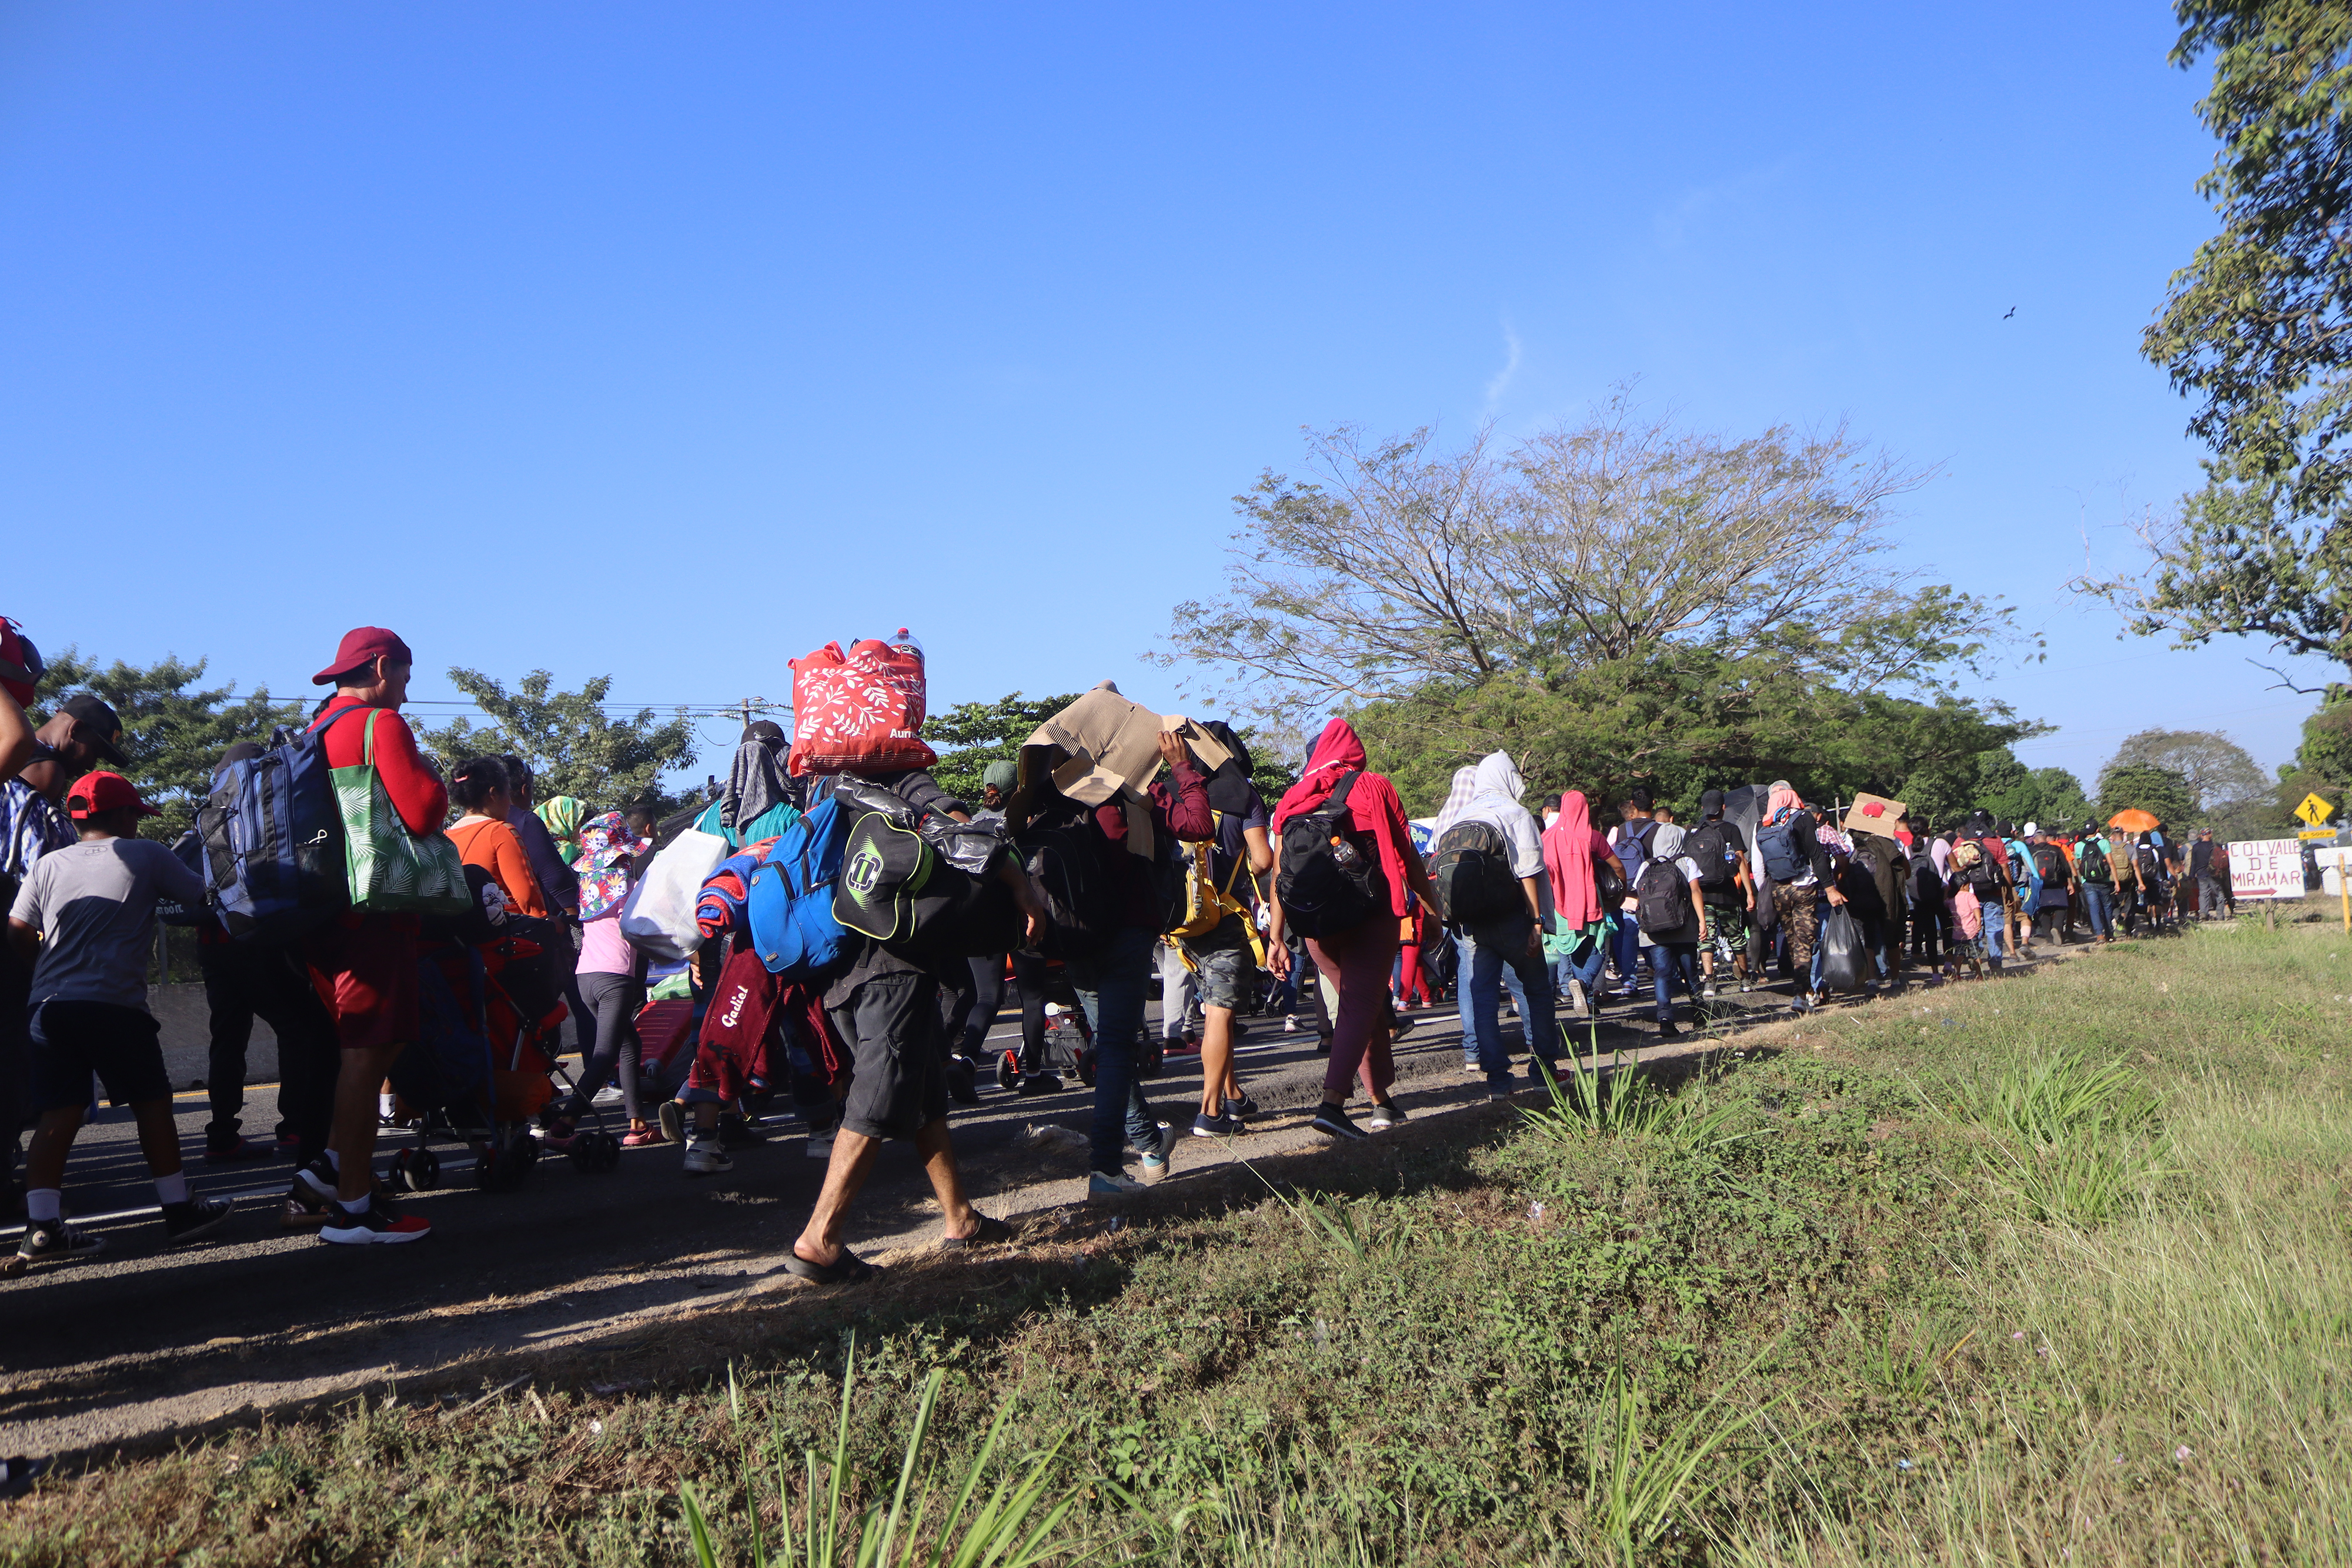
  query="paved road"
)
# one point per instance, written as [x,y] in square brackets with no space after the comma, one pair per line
[143,1341]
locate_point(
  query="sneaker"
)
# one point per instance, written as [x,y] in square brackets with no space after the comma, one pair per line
[1745,986]
[1383,1117]
[379,1221]
[1290,1026]
[1666,1029]
[318,1177]
[51,1241]
[1186,1046]
[186,1221]
[1537,1067]
[820,1144]
[1577,1004]
[1471,1066]
[963,1080]
[1244,1106]
[305,1207]
[1156,1167]
[1402,1027]
[232,1153]
[1332,1121]
[738,1133]
[1169,1137]
[1707,992]
[704,1157]
[1039,1083]
[645,1137]
[1803,1004]
[1207,1126]
[557,1137]
[1103,1188]
[672,1117]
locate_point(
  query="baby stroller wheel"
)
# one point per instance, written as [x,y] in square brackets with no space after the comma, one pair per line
[402,1176]
[1083,1059]
[597,1154]
[1008,1070]
[424,1170]
[1148,1054]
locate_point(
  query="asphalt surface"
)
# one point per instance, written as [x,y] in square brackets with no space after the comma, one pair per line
[143,1342]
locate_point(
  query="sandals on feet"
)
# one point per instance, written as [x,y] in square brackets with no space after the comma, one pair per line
[849,1266]
[990,1233]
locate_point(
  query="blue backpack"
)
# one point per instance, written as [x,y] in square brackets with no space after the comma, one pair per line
[272,840]
[791,901]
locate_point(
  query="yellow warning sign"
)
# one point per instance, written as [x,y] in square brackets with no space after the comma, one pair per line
[2315,811]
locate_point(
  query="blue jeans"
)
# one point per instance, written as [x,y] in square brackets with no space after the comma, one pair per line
[1484,965]
[1672,961]
[1585,971]
[1462,947]
[1628,945]
[1112,987]
[2099,905]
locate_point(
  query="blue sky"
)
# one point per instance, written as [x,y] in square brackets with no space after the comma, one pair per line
[670,342]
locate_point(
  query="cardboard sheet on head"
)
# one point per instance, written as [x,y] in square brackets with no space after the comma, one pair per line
[1103,746]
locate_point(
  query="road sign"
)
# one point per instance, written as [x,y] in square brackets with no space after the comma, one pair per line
[2314,809]
[2316,833]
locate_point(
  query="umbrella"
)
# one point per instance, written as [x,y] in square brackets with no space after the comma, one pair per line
[2132,820]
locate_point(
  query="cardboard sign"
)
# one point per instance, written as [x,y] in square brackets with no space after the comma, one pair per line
[1110,745]
[2266,868]
[1873,814]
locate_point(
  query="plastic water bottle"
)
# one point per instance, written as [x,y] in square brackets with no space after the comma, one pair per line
[905,642]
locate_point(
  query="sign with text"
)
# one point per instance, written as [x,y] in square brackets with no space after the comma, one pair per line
[2266,868]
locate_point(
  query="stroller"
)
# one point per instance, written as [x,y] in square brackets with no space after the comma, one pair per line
[1070,1044]
[483,1067]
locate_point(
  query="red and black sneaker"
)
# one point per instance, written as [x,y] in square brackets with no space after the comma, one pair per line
[379,1221]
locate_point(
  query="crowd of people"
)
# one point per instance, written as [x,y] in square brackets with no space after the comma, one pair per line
[1329,903]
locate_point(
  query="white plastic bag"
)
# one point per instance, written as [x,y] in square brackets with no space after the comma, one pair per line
[658,917]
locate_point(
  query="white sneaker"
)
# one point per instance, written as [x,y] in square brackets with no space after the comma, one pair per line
[819,1144]
[705,1157]
[1102,1188]
[1577,1004]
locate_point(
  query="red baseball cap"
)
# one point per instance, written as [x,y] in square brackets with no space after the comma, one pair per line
[363,644]
[20,663]
[95,794]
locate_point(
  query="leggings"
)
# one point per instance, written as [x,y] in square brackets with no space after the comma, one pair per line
[988,993]
[1029,980]
[1415,983]
[615,998]
[1356,961]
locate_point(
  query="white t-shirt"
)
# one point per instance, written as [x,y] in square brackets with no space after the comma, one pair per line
[94,904]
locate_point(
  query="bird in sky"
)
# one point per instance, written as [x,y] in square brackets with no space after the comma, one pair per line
[2010,311]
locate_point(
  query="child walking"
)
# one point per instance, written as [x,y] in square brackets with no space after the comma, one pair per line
[85,920]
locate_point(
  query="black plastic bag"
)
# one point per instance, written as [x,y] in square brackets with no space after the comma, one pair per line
[1841,953]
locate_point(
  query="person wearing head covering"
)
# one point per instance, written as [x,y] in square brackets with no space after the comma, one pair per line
[1511,938]
[563,817]
[1357,960]
[761,799]
[1673,948]
[1575,854]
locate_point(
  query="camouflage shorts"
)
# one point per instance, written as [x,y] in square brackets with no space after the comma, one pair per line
[1222,975]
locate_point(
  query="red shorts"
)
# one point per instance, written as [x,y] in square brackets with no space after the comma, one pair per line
[364,967]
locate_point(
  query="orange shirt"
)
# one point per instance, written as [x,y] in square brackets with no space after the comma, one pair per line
[493,846]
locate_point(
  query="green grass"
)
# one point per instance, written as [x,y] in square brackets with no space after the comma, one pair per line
[2052,1270]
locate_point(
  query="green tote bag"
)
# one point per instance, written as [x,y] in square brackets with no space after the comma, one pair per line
[393,869]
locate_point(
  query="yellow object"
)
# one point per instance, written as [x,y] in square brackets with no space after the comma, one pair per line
[2315,811]
[2316,833]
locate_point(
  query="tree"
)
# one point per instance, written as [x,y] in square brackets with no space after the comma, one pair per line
[2015,793]
[2322,765]
[2217,769]
[173,736]
[2136,785]
[2258,327]
[1398,565]
[574,745]
[970,736]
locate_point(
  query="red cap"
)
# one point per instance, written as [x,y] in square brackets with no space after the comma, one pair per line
[363,644]
[95,794]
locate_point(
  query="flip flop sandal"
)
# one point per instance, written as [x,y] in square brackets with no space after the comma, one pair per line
[849,1266]
[991,1232]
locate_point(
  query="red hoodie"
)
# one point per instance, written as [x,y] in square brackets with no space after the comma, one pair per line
[1372,803]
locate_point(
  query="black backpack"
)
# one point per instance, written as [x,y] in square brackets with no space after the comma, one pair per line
[2050,865]
[1472,875]
[2092,865]
[1710,846]
[1664,899]
[1059,852]
[1329,884]
[908,878]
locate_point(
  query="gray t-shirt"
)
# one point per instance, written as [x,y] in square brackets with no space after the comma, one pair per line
[94,904]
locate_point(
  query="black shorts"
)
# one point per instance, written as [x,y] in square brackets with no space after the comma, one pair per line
[73,1040]
[899,1083]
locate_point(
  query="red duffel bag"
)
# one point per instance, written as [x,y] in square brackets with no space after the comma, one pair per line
[859,712]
